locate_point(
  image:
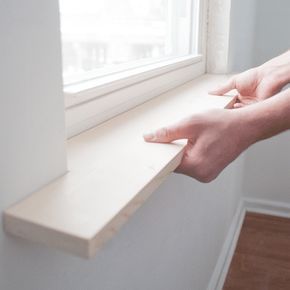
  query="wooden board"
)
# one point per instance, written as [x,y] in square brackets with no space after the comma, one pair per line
[112,171]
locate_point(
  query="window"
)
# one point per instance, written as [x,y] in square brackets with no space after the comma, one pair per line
[102,37]
[120,53]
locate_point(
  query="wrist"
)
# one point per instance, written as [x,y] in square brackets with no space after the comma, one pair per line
[286,74]
[279,60]
[253,123]
[265,119]
[277,75]
[256,124]
[244,127]
[278,69]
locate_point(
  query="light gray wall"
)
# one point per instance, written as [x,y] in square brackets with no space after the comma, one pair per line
[259,31]
[272,29]
[242,34]
[267,170]
[32,144]
[174,240]
[267,164]
[171,243]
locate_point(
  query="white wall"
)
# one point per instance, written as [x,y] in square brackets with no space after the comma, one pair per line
[267,170]
[242,34]
[267,164]
[174,240]
[32,147]
[272,29]
[171,243]
[259,31]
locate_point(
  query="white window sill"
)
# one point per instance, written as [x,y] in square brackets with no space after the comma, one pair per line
[112,171]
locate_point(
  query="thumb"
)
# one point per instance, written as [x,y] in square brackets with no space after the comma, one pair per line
[181,130]
[228,86]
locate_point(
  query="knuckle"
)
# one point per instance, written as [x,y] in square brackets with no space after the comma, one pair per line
[195,121]
[203,172]
[206,178]
[203,176]
[163,133]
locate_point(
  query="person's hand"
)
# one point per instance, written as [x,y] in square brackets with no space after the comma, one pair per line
[215,139]
[259,83]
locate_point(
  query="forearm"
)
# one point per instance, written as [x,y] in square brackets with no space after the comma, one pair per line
[266,119]
[278,67]
[282,59]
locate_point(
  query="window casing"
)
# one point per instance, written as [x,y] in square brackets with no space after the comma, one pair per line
[83,87]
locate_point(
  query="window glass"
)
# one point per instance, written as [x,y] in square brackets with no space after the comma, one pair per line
[100,37]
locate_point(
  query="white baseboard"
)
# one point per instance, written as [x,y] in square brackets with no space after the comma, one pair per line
[228,249]
[263,206]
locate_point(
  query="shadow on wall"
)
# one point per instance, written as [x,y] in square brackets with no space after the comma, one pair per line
[267,169]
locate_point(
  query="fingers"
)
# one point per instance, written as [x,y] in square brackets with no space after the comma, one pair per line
[228,86]
[244,101]
[181,130]
[238,105]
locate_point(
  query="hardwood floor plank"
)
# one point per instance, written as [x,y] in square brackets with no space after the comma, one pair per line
[262,257]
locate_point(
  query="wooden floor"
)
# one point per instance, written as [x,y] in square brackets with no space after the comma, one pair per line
[262,257]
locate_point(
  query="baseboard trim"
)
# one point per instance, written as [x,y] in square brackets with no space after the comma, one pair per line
[220,272]
[263,206]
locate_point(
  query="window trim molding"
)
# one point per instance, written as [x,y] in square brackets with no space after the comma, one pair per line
[93,102]
[218,36]
[77,94]
[82,117]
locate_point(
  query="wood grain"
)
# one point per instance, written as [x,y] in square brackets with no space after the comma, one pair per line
[112,171]
[262,257]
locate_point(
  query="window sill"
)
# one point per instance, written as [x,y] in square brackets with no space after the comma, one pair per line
[112,171]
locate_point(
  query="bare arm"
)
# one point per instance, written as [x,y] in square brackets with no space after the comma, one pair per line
[270,117]
[218,137]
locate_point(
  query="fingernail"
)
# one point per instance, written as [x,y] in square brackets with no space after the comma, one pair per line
[149,136]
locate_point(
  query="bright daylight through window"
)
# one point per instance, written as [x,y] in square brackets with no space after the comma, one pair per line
[101,37]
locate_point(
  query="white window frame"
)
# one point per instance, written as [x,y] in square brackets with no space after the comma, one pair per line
[92,102]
